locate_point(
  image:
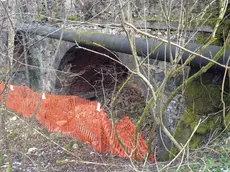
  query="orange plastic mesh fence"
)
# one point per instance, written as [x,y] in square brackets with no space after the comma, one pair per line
[77,117]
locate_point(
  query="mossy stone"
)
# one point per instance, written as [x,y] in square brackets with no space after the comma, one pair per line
[196,140]
[201,99]
[208,125]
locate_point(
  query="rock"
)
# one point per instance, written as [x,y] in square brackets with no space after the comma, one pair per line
[14,118]
[75,146]
[31,150]
[201,100]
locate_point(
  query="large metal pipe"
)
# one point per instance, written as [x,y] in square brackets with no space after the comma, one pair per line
[120,43]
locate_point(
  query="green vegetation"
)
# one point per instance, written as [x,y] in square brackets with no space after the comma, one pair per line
[12,135]
[72,17]
[227,121]
[86,34]
[40,17]
[2,160]
[215,157]
[9,168]
[70,145]
[202,38]
[202,99]
[222,31]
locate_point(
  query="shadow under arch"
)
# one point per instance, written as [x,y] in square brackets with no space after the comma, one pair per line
[85,73]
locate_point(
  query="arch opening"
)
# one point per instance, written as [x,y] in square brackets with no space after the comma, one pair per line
[85,73]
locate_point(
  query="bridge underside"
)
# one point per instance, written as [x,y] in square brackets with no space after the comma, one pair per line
[88,72]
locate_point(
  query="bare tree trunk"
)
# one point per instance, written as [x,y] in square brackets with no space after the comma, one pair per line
[10,11]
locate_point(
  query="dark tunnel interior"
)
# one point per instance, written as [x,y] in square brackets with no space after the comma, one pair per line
[86,72]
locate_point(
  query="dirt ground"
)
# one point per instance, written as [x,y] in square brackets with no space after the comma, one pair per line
[33,148]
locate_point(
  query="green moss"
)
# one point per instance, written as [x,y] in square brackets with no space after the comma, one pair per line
[202,38]
[201,99]
[2,160]
[211,22]
[86,34]
[208,125]
[196,140]
[72,17]
[40,17]
[139,52]
[69,145]
[227,120]
[12,135]
[184,128]
[89,33]
[80,41]
[223,28]
[221,33]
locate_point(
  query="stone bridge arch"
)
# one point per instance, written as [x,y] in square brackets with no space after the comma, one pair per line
[51,61]
[87,71]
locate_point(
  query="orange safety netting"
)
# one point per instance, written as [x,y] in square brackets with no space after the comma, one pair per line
[77,117]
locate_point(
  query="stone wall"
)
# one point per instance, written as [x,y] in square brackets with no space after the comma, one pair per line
[46,56]
[3,49]
[108,11]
